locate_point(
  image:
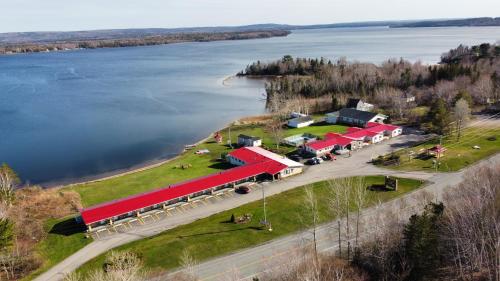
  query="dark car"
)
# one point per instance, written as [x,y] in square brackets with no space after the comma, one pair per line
[243,189]
[311,162]
[294,157]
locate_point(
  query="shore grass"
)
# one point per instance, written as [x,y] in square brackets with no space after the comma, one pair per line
[62,240]
[196,165]
[460,153]
[216,235]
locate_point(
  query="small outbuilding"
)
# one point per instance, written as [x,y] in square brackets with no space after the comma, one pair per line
[437,151]
[299,140]
[244,140]
[300,122]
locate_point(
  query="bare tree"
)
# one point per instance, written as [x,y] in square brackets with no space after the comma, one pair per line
[119,266]
[461,115]
[360,199]
[340,200]
[311,206]
[472,225]
[275,128]
[8,181]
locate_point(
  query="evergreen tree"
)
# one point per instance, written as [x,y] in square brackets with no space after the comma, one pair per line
[439,116]
[335,103]
[421,241]
[6,234]
[463,94]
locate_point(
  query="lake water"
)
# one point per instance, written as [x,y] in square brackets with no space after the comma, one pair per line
[75,114]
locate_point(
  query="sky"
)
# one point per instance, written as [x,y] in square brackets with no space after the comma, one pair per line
[65,15]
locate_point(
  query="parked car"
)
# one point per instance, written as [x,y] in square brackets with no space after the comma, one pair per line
[243,189]
[295,158]
[311,162]
[326,157]
[318,160]
[341,151]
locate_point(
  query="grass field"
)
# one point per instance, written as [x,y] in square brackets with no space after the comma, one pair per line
[216,235]
[199,165]
[459,154]
[58,245]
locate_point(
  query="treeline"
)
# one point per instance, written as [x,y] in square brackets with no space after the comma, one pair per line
[485,21]
[145,41]
[24,213]
[474,70]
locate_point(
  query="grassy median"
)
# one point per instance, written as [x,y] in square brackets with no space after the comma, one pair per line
[216,235]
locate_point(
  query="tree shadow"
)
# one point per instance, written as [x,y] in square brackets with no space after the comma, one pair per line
[67,227]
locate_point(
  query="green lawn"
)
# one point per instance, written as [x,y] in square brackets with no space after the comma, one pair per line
[62,240]
[215,235]
[459,153]
[56,246]
[200,165]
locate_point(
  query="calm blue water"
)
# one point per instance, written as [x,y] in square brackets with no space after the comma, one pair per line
[74,114]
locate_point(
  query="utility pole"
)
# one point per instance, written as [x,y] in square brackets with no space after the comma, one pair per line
[229,139]
[266,223]
[438,152]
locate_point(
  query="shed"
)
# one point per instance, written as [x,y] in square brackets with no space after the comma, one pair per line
[245,140]
[300,122]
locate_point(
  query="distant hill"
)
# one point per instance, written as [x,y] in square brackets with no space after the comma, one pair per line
[26,42]
[134,33]
[456,22]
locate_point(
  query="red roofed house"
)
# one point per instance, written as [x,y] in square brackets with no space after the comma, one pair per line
[331,142]
[388,130]
[256,162]
[249,155]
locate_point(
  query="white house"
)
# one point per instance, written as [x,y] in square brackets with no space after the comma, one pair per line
[359,105]
[297,114]
[388,130]
[245,140]
[300,122]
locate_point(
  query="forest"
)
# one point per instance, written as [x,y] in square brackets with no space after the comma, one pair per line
[137,41]
[472,73]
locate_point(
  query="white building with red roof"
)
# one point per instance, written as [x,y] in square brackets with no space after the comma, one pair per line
[250,155]
[252,162]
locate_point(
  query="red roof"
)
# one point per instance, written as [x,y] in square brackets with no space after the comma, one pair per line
[382,128]
[353,129]
[136,202]
[329,141]
[360,134]
[248,156]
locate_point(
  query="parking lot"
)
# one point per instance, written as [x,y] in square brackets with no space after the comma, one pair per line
[130,224]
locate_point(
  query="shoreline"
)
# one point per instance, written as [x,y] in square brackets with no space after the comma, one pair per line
[126,171]
[140,167]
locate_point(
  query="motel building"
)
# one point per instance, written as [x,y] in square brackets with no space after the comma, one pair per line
[331,142]
[353,139]
[253,163]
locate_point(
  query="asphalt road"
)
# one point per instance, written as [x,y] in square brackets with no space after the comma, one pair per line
[355,165]
[252,262]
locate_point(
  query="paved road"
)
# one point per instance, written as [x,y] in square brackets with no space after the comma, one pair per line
[252,262]
[343,167]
